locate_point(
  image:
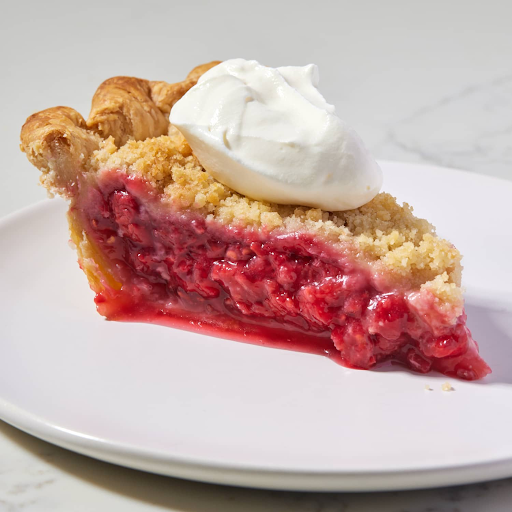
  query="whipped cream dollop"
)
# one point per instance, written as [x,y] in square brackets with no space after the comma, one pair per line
[269,134]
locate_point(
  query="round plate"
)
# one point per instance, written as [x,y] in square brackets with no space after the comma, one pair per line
[203,408]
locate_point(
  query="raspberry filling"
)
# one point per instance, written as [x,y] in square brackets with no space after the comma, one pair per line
[286,290]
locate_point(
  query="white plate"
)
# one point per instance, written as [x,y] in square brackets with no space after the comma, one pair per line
[203,408]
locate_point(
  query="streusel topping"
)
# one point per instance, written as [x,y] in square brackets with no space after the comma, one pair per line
[382,229]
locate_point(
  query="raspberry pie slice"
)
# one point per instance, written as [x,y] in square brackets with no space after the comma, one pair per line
[161,240]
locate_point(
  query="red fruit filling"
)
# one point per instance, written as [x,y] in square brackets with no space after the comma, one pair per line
[287,290]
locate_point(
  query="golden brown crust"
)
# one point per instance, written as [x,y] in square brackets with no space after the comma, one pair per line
[122,108]
[133,108]
[59,144]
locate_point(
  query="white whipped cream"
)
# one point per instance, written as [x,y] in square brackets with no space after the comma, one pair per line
[269,134]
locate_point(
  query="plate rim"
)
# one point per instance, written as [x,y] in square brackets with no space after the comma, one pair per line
[259,477]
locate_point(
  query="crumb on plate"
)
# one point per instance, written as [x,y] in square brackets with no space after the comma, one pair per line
[446,386]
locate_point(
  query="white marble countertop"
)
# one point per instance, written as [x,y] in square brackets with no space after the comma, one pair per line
[420,81]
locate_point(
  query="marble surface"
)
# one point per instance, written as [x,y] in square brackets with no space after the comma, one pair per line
[420,81]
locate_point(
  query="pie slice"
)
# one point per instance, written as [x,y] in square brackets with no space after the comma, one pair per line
[161,240]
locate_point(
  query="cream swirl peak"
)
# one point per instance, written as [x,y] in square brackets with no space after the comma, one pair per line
[269,134]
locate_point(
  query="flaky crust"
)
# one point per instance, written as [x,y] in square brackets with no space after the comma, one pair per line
[122,108]
[133,108]
[59,142]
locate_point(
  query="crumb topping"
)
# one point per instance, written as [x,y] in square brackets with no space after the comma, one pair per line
[385,232]
[446,386]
